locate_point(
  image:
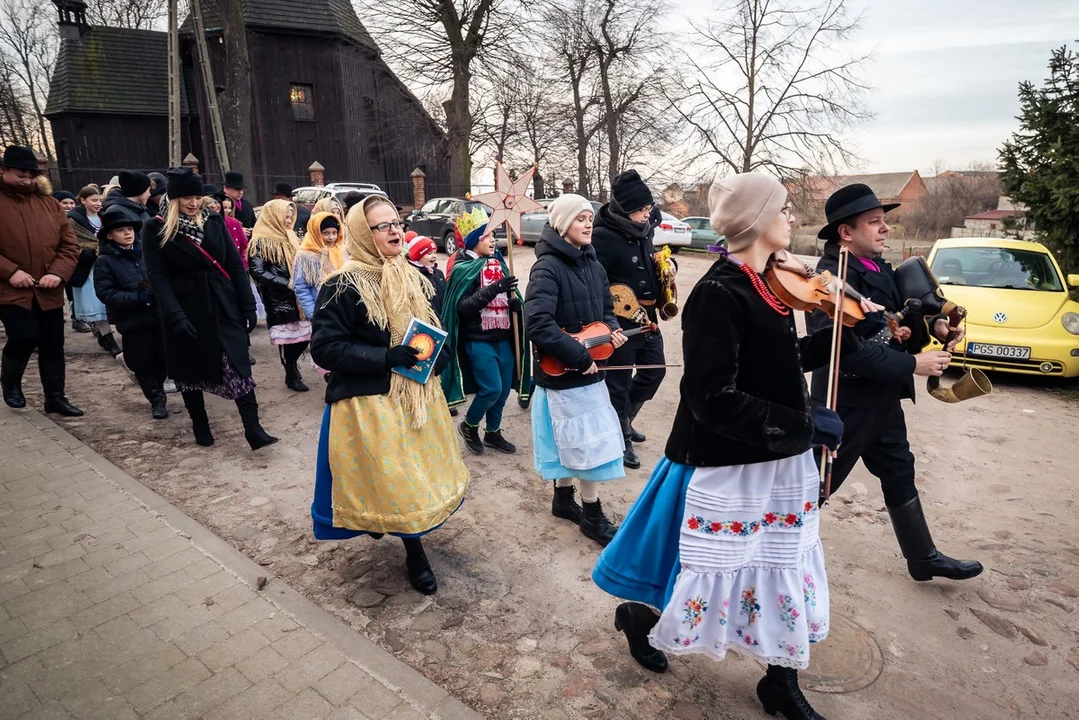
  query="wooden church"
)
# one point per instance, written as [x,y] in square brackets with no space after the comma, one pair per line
[320,91]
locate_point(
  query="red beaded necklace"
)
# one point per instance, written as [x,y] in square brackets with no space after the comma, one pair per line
[764,291]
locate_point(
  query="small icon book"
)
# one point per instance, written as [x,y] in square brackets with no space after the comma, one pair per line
[429,340]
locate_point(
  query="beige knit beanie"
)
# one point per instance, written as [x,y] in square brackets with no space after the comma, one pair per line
[564,210]
[743,206]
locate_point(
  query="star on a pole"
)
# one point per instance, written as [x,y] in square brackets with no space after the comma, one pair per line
[508,200]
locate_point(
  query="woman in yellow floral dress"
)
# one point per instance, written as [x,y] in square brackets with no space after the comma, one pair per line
[388,460]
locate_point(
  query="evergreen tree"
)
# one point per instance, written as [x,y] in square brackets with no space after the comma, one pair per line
[1041,161]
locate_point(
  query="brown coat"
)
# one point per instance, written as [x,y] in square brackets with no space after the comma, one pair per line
[35,237]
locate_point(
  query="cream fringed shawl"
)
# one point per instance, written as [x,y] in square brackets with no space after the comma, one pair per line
[392,293]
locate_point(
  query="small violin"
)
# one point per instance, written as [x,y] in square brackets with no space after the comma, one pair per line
[596,338]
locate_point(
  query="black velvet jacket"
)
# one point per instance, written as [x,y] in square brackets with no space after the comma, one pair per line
[743,392]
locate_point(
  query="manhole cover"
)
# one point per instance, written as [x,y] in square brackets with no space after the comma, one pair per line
[847,661]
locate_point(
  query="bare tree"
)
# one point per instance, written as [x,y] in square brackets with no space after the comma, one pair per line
[14,106]
[951,197]
[134,14]
[28,39]
[764,92]
[439,43]
[236,77]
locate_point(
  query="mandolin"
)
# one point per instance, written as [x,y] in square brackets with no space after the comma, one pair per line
[596,338]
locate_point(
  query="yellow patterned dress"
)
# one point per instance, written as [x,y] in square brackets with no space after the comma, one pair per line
[378,474]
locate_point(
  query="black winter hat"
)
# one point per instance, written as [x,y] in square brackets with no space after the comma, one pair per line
[63,195]
[133,183]
[17,157]
[283,188]
[846,203]
[233,179]
[183,182]
[158,184]
[630,192]
[209,189]
[329,222]
[117,216]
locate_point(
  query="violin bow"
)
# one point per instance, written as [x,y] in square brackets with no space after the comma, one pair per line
[827,455]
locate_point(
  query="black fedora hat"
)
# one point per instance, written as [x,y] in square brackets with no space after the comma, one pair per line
[847,202]
[117,216]
[282,188]
[17,157]
[234,179]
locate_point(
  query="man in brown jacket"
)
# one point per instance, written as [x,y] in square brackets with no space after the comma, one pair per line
[38,252]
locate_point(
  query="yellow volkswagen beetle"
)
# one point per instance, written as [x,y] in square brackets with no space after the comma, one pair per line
[1020,318]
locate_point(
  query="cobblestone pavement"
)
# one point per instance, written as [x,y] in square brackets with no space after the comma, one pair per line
[114,604]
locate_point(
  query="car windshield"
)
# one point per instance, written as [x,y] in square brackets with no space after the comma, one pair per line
[991,267]
[469,207]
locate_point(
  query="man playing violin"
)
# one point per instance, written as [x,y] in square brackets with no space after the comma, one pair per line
[880,374]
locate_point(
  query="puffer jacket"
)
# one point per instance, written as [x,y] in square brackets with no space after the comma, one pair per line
[273,282]
[567,289]
[35,237]
[120,281]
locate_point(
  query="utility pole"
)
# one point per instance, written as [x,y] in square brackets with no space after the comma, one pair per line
[206,72]
[174,86]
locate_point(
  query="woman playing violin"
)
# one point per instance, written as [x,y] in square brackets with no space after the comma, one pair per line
[723,539]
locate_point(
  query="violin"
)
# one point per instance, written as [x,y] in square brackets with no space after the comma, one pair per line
[596,338]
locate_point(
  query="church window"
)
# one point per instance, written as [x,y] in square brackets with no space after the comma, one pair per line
[302,100]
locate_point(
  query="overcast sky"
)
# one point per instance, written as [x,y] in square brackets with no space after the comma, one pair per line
[946,74]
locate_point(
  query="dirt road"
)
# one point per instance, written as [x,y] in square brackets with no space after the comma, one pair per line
[518,630]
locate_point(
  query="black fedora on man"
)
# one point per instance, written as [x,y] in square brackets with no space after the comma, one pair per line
[849,202]
[17,157]
[234,188]
[877,377]
[283,191]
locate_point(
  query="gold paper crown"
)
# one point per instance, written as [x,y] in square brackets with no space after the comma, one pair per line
[469,221]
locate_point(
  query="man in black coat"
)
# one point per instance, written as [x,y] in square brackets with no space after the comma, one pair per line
[283,191]
[879,375]
[622,237]
[245,211]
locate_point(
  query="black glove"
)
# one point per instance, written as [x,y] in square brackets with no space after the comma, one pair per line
[184,330]
[251,320]
[402,356]
[507,284]
[827,428]
[145,297]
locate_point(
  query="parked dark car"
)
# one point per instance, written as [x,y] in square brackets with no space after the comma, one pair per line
[437,217]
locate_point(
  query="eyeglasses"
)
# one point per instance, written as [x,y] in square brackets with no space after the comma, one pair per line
[385,227]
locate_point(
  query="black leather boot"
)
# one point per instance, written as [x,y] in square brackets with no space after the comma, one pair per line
[499,443]
[636,621]
[633,434]
[595,525]
[419,569]
[472,437]
[629,457]
[924,561]
[249,412]
[564,506]
[778,692]
[11,372]
[108,344]
[196,410]
[293,378]
[153,391]
[52,382]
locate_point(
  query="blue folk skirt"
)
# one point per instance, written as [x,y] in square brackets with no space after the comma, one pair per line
[87,307]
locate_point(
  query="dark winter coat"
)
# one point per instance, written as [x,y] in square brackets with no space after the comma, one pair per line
[186,284]
[35,237]
[272,280]
[86,236]
[245,212]
[438,280]
[881,372]
[137,209]
[346,342]
[567,289]
[119,281]
[625,251]
[743,392]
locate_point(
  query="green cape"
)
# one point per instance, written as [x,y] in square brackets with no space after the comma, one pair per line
[457,379]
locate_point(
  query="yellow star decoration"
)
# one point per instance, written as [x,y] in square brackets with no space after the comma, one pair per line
[508,200]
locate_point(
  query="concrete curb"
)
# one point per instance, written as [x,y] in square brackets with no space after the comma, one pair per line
[423,695]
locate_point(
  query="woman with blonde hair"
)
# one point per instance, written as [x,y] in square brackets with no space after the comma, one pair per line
[388,460]
[270,257]
[206,307]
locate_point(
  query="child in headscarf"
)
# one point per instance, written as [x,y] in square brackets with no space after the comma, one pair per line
[271,255]
[388,461]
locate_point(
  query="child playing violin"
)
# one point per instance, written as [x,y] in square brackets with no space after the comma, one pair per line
[575,429]
[723,539]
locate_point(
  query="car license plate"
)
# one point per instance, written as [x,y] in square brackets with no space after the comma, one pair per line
[679,230]
[999,351]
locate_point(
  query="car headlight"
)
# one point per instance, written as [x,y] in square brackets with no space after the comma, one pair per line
[1070,321]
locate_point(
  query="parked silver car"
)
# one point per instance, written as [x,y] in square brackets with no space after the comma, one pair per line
[703,234]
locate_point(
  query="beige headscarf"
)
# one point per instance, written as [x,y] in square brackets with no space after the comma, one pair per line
[326,204]
[273,238]
[393,293]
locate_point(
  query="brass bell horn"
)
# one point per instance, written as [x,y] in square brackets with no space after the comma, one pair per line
[974,383]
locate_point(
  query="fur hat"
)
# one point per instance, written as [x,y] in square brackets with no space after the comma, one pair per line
[158,183]
[133,183]
[183,182]
[743,206]
[564,210]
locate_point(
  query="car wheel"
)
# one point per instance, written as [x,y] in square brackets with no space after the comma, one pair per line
[449,243]
[675,249]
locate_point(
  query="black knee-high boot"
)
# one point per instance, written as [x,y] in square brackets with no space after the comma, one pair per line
[11,372]
[924,561]
[196,410]
[249,413]
[419,569]
[778,691]
[154,391]
[290,357]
